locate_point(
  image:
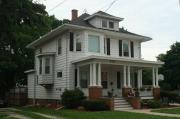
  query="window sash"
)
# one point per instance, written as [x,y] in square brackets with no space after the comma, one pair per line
[78,42]
[104,23]
[47,65]
[126,48]
[111,24]
[93,43]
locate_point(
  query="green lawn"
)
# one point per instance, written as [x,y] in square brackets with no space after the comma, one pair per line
[73,114]
[170,111]
[4,116]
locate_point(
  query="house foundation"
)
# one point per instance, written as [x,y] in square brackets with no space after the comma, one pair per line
[95,92]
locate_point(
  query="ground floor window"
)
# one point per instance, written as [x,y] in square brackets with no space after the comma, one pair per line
[84,79]
[104,80]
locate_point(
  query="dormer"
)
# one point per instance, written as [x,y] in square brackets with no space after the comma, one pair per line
[104,21]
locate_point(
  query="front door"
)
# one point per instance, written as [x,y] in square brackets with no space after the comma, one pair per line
[118,83]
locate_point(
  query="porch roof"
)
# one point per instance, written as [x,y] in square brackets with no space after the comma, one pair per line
[118,60]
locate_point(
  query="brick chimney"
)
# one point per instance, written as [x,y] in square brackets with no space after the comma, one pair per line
[74,13]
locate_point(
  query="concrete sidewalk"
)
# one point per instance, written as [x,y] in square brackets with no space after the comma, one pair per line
[148,111]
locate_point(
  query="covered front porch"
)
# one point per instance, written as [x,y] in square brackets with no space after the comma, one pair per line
[104,77]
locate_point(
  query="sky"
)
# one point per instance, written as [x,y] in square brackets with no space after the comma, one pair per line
[158,19]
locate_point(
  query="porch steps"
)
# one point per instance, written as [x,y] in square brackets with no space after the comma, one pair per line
[146,97]
[121,104]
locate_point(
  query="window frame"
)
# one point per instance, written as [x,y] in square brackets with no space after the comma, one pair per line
[40,65]
[59,49]
[110,25]
[59,71]
[125,41]
[47,66]
[103,20]
[78,38]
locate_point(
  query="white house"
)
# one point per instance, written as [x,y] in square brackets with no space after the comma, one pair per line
[91,53]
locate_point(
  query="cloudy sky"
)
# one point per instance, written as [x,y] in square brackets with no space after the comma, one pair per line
[158,19]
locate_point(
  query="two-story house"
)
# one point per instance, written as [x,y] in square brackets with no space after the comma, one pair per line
[90,53]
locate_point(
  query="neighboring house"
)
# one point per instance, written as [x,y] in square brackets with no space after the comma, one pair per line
[91,53]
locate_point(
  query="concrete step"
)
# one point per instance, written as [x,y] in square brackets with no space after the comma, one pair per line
[120,109]
[121,104]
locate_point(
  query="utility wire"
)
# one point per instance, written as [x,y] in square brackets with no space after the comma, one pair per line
[57,6]
[110,5]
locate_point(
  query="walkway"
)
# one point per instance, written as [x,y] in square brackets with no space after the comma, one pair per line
[148,111]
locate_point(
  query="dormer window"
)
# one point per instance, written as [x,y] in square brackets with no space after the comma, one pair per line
[111,24]
[104,23]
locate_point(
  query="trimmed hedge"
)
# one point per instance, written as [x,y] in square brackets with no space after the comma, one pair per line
[154,104]
[151,103]
[95,105]
[170,95]
[72,98]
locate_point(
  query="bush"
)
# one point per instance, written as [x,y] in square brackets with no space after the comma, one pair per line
[154,103]
[95,105]
[170,95]
[72,98]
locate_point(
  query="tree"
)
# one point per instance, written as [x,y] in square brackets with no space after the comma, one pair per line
[21,22]
[171,68]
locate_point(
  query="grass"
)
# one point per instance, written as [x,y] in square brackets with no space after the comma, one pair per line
[74,114]
[5,116]
[169,111]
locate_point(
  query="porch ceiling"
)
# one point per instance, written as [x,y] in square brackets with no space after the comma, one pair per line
[118,61]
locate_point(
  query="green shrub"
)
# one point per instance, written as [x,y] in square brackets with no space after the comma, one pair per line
[72,98]
[172,96]
[154,103]
[95,105]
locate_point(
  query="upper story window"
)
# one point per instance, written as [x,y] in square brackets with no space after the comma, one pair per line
[59,46]
[111,25]
[78,42]
[104,23]
[40,65]
[93,43]
[59,74]
[47,65]
[126,48]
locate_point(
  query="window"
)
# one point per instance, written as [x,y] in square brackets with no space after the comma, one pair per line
[47,65]
[132,49]
[78,42]
[59,47]
[59,74]
[71,42]
[93,43]
[84,79]
[40,65]
[126,48]
[120,47]
[108,46]
[104,81]
[111,24]
[104,23]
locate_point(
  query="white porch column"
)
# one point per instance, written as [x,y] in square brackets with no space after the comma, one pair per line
[94,74]
[139,76]
[153,76]
[129,77]
[99,74]
[78,79]
[124,79]
[91,74]
[157,80]
[141,85]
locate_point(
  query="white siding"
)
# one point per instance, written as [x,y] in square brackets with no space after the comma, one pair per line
[30,82]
